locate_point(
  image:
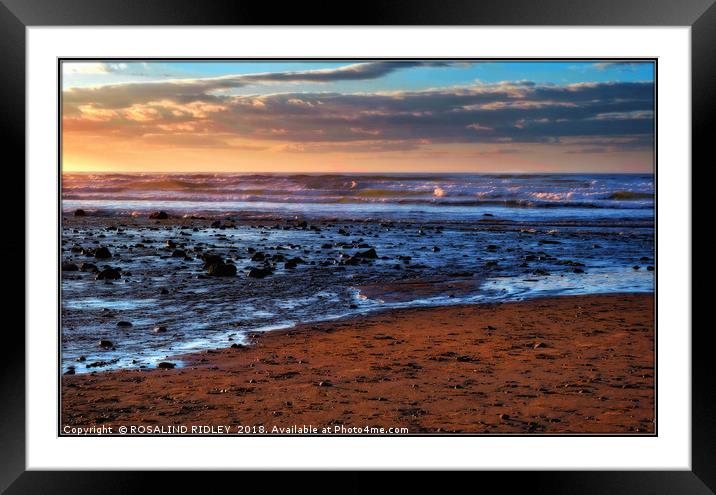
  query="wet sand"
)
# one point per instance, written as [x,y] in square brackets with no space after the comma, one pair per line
[577,364]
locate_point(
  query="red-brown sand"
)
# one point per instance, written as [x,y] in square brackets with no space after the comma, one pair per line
[578,364]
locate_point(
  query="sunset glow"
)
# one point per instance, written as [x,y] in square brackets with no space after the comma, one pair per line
[357,116]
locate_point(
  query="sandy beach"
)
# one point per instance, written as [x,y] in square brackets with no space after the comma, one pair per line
[581,364]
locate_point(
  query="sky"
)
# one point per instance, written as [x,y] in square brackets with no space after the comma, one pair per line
[357,116]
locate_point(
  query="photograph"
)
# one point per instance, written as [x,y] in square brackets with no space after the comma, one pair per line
[352,247]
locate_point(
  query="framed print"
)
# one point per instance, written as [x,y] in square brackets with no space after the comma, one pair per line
[436,239]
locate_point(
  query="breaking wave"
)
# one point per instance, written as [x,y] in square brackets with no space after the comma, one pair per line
[624,191]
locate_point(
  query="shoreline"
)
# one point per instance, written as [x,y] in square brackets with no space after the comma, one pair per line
[123,279]
[564,364]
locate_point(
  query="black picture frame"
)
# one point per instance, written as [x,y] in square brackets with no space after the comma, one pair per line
[17,15]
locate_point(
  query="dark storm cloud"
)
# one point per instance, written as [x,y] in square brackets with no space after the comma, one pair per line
[354,72]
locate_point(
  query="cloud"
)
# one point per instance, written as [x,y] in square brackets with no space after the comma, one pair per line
[479,127]
[137,69]
[351,147]
[499,151]
[188,90]
[622,66]
[590,151]
[353,72]
[585,114]
[93,67]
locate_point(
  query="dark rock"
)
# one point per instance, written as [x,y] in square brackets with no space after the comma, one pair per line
[353,261]
[124,323]
[436,249]
[106,344]
[165,365]
[80,213]
[325,383]
[102,253]
[259,272]
[89,267]
[258,257]
[164,292]
[221,269]
[216,224]
[211,259]
[159,215]
[293,262]
[69,267]
[178,253]
[237,346]
[160,329]
[108,274]
[635,267]
[650,268]
[100,364]
[370,254]
[570,263]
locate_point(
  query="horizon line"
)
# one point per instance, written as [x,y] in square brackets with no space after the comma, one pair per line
[348,172]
